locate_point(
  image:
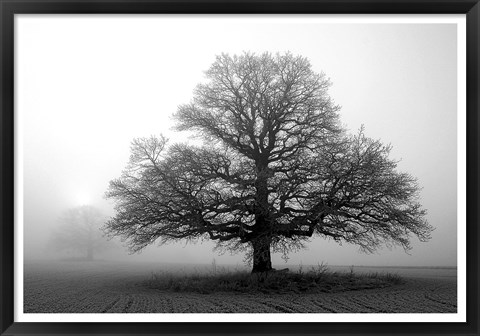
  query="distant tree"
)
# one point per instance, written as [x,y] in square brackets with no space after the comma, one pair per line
[275,169]
[79,232]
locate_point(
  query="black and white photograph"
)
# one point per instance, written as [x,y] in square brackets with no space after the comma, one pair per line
[302,168]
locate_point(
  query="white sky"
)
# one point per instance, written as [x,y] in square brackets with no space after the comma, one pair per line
[87,85]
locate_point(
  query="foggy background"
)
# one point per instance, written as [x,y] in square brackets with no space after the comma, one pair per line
[86,86]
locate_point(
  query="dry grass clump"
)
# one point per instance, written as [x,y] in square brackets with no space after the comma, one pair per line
[316,280]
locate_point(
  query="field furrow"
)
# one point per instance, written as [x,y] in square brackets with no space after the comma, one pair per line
[116,288]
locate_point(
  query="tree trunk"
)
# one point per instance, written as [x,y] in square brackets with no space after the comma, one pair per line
[90,243]
[261,243]
[262,261]
[89,252]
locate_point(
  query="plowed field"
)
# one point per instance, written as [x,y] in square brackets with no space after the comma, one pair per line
[100,287]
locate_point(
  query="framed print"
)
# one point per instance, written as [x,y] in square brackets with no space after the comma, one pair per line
[245,167]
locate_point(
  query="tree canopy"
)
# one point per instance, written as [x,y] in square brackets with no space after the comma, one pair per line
[275,169]
[79,233]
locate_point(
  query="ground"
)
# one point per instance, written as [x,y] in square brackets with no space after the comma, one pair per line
[113,287]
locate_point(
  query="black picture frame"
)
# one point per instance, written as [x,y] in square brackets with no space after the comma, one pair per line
[8,9]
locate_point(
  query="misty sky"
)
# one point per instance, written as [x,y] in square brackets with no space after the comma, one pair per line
[87,85]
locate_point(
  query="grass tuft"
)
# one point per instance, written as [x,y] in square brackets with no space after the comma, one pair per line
[316,280]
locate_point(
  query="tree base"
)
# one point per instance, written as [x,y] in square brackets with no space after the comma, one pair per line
[262,270]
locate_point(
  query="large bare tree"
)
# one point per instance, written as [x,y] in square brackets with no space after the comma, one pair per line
[275,169]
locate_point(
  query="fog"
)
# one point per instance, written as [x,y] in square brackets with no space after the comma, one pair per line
[86,86]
